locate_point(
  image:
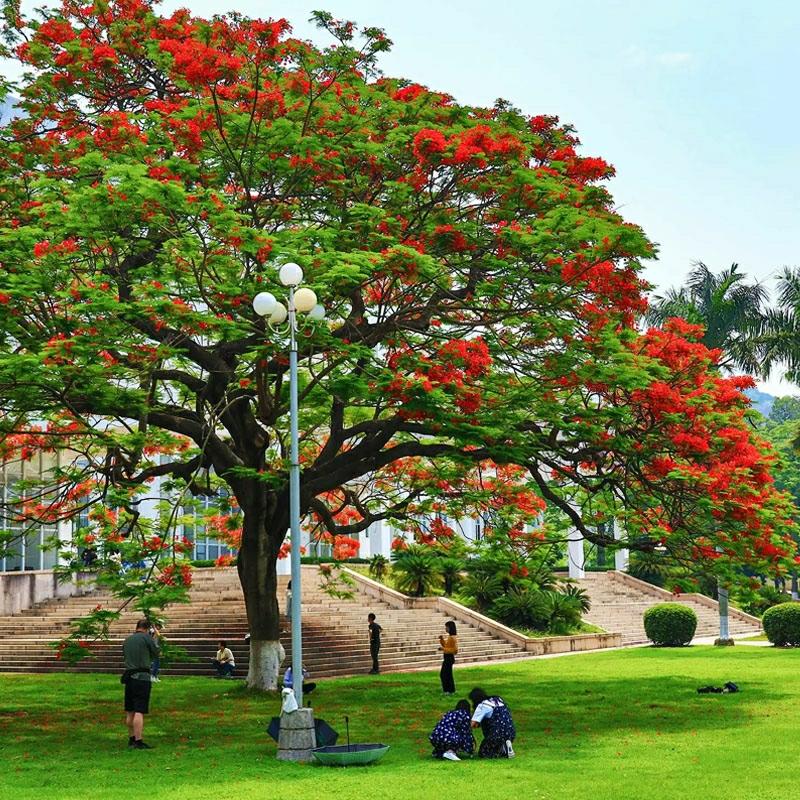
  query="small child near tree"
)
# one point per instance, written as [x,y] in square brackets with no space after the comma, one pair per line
[453,733]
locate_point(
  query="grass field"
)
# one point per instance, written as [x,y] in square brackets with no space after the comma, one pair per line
[624,724]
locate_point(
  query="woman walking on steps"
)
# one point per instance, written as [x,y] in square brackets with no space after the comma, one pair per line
[449,647]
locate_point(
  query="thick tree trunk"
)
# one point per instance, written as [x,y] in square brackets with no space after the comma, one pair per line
[265,661]
[259,579]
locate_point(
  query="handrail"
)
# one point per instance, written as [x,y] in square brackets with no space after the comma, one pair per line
[703,599]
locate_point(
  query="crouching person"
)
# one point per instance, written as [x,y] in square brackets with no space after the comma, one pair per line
[453,733]
[493,717]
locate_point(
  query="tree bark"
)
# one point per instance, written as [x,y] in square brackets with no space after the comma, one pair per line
[259,579]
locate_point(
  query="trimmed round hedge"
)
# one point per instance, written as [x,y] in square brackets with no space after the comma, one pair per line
[782,624]
[670,624]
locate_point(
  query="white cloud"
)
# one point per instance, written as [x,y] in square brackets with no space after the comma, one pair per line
[675,58]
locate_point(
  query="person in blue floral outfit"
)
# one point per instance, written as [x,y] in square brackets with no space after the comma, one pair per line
[496,723]
[453,733]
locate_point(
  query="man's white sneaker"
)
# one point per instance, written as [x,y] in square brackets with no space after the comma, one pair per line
[451,756]
[509,749]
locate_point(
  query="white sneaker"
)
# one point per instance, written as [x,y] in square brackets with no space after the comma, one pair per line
[450,756]
[509,749]
[155,680]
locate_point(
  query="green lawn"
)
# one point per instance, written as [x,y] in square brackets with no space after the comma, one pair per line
[625,724]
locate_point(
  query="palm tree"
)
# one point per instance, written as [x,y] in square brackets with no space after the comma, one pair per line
[730,310]
[781,340]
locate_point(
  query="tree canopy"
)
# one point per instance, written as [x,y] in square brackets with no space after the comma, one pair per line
[481,352]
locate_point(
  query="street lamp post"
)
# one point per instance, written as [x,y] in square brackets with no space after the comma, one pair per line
[301,300]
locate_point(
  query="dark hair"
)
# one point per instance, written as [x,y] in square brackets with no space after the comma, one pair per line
[462,705]
[450,627]
[223,643]
[143,625]
[477,696]
[370,616]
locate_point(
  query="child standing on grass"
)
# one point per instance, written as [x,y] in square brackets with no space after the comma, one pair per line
[453,733]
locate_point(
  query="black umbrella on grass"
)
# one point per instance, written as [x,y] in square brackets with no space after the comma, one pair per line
[325,735]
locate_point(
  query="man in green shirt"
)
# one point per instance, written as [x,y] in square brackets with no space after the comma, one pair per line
[138,650]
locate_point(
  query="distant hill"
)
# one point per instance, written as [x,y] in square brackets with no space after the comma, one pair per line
[762,401]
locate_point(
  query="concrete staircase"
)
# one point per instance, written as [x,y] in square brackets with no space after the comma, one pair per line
[619,602]
[335,639]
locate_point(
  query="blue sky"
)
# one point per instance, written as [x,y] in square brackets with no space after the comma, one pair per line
[693,102]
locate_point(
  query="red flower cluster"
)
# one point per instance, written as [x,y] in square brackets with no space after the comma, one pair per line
[476,146]
[176,575]
[345,547]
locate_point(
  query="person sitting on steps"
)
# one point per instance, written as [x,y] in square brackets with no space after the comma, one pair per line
[224,661]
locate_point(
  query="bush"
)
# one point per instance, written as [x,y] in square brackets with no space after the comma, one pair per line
[782,624]
[417,572]
[564,612]
[764,598]
[670,624]
[451,570]
[523,607]
[580,596]
[378,567]
[481,589]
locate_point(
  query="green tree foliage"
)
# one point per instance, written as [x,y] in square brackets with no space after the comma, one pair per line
[785,409]
[482,351]
[782,331]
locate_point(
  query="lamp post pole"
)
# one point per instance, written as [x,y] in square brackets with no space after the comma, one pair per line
[266,305]
[294,508]
[722,601]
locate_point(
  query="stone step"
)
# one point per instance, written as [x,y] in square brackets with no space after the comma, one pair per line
[335,638]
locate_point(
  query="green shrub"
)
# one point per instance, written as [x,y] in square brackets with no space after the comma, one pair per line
[765,597]
[670,624]
[417,572]
[581,596]
[564,612]
[523,607]
[451,570]
[782,624]
[378,567]
[481,589]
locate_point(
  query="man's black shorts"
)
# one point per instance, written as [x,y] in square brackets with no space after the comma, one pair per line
[137,695]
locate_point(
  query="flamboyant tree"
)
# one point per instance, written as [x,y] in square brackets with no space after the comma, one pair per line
[482,294]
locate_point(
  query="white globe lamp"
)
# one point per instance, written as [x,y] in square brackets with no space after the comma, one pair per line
[279,315]
[304,299]
[264,304]
[290,274]
[317,313]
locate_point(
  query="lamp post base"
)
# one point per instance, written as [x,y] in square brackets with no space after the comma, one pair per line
[724,643]
[297,739]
